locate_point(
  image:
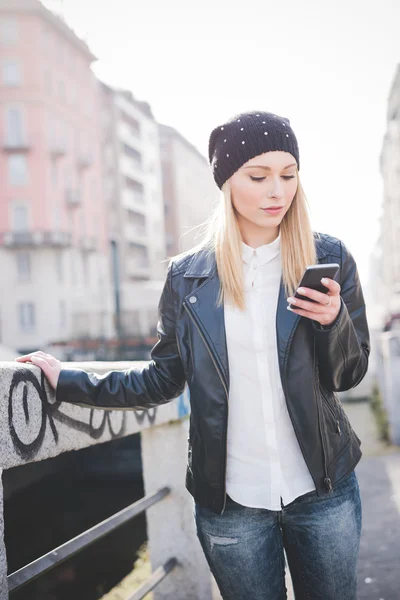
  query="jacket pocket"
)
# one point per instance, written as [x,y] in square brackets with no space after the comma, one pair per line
[336,430]
[330,404]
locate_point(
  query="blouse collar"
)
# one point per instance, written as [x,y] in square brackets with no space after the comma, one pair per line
[263,253]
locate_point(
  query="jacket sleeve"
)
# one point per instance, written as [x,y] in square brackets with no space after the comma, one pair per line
[158,382]
[343,347]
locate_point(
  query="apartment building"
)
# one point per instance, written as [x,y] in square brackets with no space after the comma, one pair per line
[54,249]
[135,213]
[189,190]
[390,222]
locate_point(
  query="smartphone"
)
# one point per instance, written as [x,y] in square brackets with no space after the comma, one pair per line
[312,278]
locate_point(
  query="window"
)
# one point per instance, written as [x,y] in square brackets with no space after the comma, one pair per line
[47,79]
[17,169]
[26,312]
[59,266]
[131,122]
[132,153]
[8,32]
[11,73]
[15,130]
[20,217]
[54,171]
[63,314]
[24,266]
[61,91]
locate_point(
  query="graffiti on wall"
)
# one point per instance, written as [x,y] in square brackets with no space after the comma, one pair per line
[28,438]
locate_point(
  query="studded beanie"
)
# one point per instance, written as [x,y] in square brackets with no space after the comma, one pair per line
[245,136]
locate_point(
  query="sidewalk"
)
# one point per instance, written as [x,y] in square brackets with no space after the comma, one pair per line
[378,474]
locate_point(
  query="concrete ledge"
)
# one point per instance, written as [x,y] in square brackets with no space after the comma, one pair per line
[33,426]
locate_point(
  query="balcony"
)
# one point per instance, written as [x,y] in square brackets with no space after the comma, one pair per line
[73,197]
[133,200]
[130,168]
[136,234]
[138,269]
[57,148]
[35,239]
[84,159]
[87,243]
[16,144]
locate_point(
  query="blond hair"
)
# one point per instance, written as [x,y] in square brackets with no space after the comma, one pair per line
[222,236]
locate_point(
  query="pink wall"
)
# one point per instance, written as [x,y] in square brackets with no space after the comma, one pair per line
[57,87]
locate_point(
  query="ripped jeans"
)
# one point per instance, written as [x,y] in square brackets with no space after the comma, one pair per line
[244,546]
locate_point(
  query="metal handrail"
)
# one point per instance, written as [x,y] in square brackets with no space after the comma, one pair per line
[46,562]
[155,578]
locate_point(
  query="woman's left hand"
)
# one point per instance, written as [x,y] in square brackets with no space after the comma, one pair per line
[325,309]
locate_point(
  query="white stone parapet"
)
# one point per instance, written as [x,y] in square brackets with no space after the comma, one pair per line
[34,427]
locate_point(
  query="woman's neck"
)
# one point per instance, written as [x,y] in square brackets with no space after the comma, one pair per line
[258,236]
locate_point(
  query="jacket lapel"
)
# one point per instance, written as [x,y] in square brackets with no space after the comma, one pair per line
[286,320]
[201,302]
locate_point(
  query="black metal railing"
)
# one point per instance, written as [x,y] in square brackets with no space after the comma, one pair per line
[55,557]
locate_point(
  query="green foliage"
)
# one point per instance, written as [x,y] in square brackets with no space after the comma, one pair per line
[379,411]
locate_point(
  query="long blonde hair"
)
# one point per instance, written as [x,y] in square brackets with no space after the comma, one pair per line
[222,236]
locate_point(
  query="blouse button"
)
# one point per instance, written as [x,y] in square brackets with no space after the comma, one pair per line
[192,299]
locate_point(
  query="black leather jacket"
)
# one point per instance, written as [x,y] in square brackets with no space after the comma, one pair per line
[314,363]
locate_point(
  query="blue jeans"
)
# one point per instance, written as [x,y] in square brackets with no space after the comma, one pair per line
[245,546]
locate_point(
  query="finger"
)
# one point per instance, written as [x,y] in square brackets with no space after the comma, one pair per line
[332,285]
[41,362]
[319,297]
[306,313]
[315,307]
[29,355]
[48,357]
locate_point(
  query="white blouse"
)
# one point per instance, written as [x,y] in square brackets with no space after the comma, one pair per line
[265,465]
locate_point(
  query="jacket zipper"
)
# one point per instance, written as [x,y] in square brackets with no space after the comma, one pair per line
[327,480]
[194,319]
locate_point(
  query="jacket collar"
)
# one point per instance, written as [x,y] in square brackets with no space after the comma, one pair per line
[203,263]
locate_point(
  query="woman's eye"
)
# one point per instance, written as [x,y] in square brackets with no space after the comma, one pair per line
[286,177]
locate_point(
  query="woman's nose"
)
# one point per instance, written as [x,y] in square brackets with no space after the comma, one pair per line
[276,189]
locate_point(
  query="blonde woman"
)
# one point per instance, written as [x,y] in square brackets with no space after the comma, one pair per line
[271,452]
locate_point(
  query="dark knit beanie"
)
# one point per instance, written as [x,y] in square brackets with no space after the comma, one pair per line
[245,136]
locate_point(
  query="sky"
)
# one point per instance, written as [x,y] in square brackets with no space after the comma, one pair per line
[327,66]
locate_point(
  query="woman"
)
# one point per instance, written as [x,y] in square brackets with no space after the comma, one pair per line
[276,471]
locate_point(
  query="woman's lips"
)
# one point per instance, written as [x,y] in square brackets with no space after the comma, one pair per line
[273,210]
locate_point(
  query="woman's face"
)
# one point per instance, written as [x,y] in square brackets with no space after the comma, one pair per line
[263,189]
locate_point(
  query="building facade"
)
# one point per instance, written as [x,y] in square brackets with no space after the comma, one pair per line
[135,212]
[189,190]
[389,251]
[55,278]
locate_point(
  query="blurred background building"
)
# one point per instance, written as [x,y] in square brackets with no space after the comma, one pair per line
[54,252]
[94,197]
[386,256]
[135,211]
[189,190]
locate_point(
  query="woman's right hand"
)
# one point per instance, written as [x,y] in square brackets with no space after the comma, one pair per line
[50,366]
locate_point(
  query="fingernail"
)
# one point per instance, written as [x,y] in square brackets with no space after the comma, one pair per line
[301,291]
[324,280]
